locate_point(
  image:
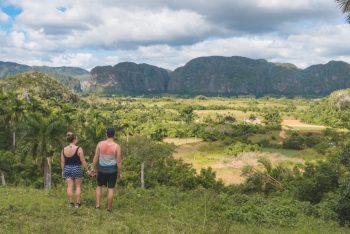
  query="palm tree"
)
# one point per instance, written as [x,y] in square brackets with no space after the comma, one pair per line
[345,6]
[41,138]
[93,132]
[14,110]
[268,178]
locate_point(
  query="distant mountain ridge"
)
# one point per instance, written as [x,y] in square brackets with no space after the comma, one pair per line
[211,76]
[129,77]
[223,76]
[69,76]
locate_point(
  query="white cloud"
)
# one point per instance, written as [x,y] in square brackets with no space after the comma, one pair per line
[74,60]
[319,45]
[98,26]
[168,33]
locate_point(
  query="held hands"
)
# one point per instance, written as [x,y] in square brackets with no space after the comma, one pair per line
[91,173]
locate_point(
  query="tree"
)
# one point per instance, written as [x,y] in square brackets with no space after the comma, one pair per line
[268,179]
[147,152]
[186,114]
[345,7]
[343,201]
[14,110]
[41,138]
[272,118]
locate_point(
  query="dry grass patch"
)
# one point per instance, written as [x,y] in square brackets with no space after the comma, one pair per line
[181,141]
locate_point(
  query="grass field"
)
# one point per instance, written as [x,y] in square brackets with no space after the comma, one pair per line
[160,210]
[229,168]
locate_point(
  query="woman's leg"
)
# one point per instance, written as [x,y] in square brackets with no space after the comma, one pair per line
[78,190]
[70,185]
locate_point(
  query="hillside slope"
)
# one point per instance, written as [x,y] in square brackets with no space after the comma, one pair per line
[160,210]
[333,110]
[69,76]
[39,85]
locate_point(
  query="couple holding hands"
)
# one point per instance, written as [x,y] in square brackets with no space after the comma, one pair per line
[107,165]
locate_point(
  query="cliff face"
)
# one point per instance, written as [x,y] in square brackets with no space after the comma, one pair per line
[129,78]
[234,76]
[243,76]
[324,79]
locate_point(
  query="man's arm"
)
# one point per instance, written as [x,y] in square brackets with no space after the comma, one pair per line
[95,161]
[119,161]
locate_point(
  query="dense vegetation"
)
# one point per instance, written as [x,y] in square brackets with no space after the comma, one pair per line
[36,111]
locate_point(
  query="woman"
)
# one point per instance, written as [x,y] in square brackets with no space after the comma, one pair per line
[72,159]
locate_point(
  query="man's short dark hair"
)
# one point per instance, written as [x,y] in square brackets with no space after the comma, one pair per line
[110,132]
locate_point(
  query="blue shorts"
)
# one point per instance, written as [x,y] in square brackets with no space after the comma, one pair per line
[72,172]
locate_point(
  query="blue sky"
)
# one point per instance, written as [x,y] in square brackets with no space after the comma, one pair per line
[12,12]
[169,33]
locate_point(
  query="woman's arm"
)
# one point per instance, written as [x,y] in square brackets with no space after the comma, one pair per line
[119,162]
[62,161]
[82,159]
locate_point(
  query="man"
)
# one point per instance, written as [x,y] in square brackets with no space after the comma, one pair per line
[107,161]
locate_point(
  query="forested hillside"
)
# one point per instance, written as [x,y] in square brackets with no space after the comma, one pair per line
[69,76]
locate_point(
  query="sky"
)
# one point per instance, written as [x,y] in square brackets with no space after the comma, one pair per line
[169,33]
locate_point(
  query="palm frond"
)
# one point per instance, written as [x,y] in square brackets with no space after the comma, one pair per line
[344,5]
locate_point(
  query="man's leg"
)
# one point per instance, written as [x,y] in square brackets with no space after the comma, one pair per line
[110,198]
[70,186]
[78,190]
[98,195]
[112,180]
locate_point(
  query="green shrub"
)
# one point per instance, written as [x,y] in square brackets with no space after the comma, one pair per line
[238,147]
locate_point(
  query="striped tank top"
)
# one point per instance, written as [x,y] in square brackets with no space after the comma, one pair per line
[107,157]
